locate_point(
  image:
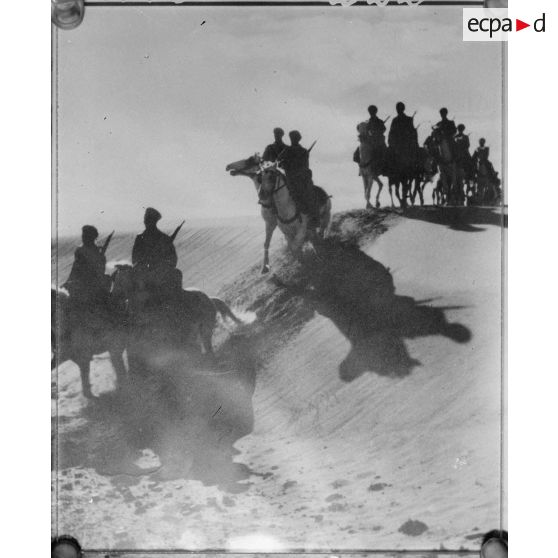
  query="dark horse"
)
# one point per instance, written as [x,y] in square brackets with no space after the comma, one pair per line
[79,333]
[170,327]
[448,189]
[401,170]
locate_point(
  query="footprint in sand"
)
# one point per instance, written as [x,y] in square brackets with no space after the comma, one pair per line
[413,528]
[333,497]
[376,487]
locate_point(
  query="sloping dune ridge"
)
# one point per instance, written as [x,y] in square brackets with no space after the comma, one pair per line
[357,408]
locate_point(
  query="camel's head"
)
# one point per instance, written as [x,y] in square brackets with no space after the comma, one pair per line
[245,167]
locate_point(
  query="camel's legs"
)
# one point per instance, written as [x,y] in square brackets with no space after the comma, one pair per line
[419,189]
[84,365]
[300,237]
[119,366]
[390,187]
[269,228]
[397,192]
[206,335]
[325,220]
[367,181]
[380,186]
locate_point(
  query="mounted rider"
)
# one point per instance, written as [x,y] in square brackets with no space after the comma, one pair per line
[445,129]
[376,132]
[485,173]
[481,154]
[295,161]
[402,137]
[463,159]
[87,283]
[462,153]
[273,150]
[154,259]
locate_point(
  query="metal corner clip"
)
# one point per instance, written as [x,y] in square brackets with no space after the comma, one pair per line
[67,14]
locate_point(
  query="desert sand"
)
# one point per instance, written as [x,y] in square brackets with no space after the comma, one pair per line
[339,417]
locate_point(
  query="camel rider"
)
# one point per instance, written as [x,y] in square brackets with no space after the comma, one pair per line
[376,131]
[446,128]
[295,161]
[154,259]
[403,137]
[273,150]
[462,145]
[480,157]
[376,128]
[481,152]
[87,283]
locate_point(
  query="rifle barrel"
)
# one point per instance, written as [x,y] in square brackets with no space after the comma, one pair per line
[107,242]
[177,230]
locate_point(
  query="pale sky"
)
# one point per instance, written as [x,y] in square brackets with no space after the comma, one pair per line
[153,105]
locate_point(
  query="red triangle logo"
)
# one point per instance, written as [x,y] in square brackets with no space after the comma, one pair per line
[519,25]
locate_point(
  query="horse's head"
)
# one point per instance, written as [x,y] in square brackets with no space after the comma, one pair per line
[245,167]
[122,281]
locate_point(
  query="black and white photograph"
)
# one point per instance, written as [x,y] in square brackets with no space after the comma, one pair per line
[278,281]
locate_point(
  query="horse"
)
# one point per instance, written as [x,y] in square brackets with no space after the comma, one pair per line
[198,312]
[78,334]
[447,189]
[370,162]
[425,173]
[270,202]
[487,184]
[401,171]
[291,220]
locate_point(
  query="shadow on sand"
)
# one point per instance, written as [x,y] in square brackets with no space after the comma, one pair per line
[464,219]
[357,294]
[188,411]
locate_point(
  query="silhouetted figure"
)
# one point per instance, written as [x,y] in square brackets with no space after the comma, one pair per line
[154,258]
[463,159]
[273,150]
[65,546]
[376,132]
[376,128]
[462,145]
[87,282]
[482,152]
[446,127]
[295,160]
[402,136]
[487,180]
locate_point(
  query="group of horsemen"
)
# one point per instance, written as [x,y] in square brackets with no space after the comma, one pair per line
[154,256]
[402,151]
[154,263]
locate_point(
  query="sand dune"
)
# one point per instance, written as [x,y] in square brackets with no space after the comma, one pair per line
[360,410]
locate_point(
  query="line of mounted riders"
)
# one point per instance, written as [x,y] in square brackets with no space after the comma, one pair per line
[140,308]
[462,178]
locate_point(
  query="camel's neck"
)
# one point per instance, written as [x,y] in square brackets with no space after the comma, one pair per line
[254,179]
[284,203]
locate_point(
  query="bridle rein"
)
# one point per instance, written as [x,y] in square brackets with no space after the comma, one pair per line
[276,188]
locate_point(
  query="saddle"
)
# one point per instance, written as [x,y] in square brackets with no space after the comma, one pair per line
[155,288]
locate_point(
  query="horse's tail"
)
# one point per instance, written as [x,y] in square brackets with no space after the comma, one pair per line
[223,309]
